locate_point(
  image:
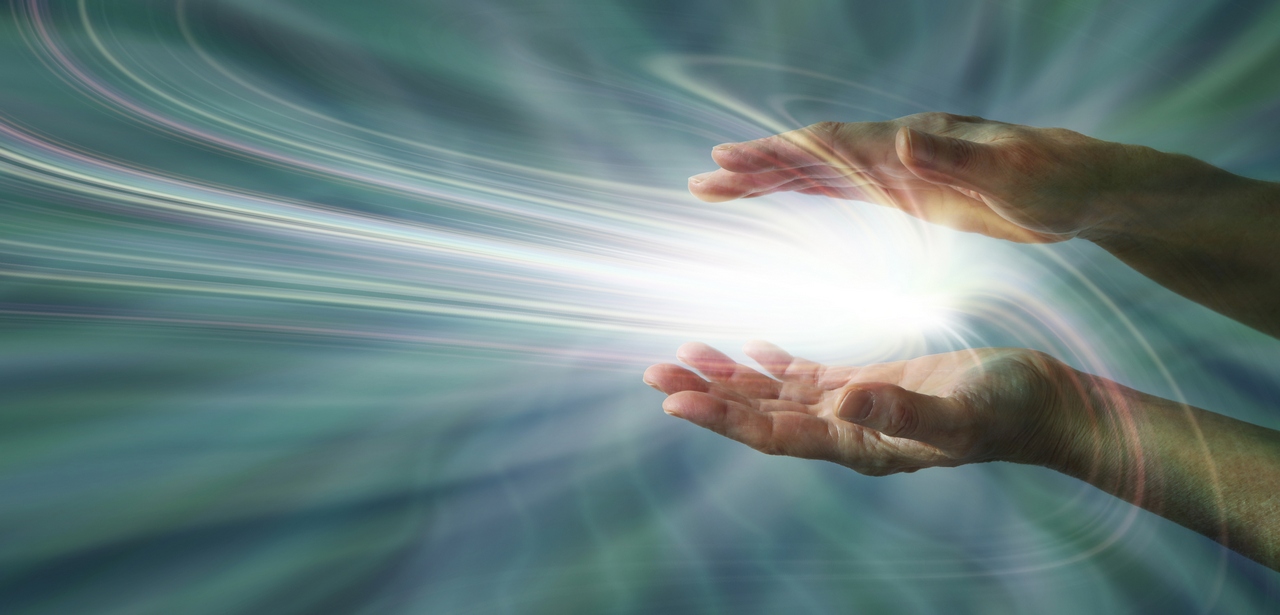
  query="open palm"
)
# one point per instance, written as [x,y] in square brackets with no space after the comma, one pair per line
[938,410]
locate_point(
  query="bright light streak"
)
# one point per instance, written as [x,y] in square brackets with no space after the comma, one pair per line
[836,278]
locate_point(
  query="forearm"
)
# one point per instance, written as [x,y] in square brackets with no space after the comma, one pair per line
[1202,232]
[1205,471]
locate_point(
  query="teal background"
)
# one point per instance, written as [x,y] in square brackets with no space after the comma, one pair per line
[341,307]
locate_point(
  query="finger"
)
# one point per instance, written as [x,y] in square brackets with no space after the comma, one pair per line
[786,405]
[879,373]
[950,161]
[809,146]
[852,179]
[848,194]
[854,185]
[894,411]
[721,185]
[799,388]
[776,433]
[782,365]
[811,187]
[718,367]
[819,171]
[672,379]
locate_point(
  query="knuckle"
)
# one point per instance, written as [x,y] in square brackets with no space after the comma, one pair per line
[968,119]
[947,119]
[1032,355]
[928,121]
[767,442]
[965,154]
[825,133]
[1021,156]
[824,128]
[1062,134]
[902,419]
[769,448]
[938,121]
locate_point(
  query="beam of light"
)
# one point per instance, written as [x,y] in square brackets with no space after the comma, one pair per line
[604,259]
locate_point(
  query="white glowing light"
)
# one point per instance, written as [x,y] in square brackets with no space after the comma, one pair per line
[826,280]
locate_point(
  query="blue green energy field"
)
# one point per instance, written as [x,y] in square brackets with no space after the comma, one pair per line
[337,306]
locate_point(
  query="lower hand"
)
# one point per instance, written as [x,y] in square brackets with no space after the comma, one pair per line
[939,410]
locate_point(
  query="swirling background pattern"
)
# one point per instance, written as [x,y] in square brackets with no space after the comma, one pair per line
[322,306]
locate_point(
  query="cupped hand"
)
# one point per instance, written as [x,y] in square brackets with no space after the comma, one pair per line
[938,410]
[1020,183]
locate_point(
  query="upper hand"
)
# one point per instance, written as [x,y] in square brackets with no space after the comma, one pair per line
[938,410]
[1013,182]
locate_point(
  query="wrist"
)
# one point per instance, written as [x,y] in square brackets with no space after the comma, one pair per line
[1058,427]
[1099,435]
[1154,195]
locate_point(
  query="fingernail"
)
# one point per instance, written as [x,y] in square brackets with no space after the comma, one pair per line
[920,147]
[651,384]
[856,405]
[697,179]
[671,410]
[724,147]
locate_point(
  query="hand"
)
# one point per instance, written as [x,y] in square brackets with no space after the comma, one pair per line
[1025,184]
[939,410]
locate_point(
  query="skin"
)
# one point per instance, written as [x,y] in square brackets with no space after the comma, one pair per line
[1198,230]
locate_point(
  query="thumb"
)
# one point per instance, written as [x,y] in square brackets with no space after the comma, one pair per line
[895,411]
[946,160]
